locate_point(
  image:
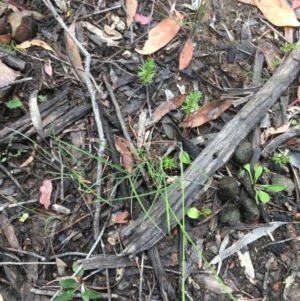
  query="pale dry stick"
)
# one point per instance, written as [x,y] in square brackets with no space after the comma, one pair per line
[15,203]
[92,90]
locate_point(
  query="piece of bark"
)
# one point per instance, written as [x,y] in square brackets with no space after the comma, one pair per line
[146,231]
[105,262]
[56,115]
[165,288]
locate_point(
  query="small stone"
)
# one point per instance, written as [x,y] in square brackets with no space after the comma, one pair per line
[249,210]
[126,54]
[243,153]
[289,185]
[230,215]
[228,189]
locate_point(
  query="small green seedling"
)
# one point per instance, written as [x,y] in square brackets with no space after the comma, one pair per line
[23,218]
[195,213]
[71,285]
[168,163]
[184,157]
[260,189]
[191,103]
[287,47]
[14,103]
[147,71]
[276,62]
[42,98]
[280,158]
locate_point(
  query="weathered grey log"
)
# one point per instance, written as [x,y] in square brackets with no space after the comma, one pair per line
[145,231]
[57,114]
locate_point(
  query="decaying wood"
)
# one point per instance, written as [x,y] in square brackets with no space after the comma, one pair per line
[145,231]
[56,114]
[165,288]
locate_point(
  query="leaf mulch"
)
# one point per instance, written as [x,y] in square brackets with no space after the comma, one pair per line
[85,189]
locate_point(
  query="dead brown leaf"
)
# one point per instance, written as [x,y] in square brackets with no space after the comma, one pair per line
[73,52]
[35,42]
[278,12]
[160,35]
[7,75]
[206,113]
[124,149]
[9,232]
[295,4]
[186,54]
[165,108]
[272,131]
[46,190]
[131,7]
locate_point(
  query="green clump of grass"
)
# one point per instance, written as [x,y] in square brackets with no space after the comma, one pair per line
[191,103]
[147,71]
[287,47]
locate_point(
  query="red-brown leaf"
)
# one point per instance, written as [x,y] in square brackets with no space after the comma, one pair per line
[46,190]
[123,148]
[131,7]
[206,113]
[160,35]
[186,54]
[165,108]
[9,232]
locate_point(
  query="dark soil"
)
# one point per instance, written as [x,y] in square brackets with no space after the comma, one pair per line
[95,197]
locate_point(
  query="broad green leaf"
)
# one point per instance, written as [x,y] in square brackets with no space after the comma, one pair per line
[185,158]
[75,268]
[66,296]
[248,168]
[263,196]
[273,187]
[206,211]
[193,213]
[258,170]
[68,283]
[14,103]
[90,294]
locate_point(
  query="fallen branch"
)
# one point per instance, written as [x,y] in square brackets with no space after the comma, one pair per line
[143,233]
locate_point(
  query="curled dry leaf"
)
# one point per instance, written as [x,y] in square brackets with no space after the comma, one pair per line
[6,40]
[23,25]
[131,7]
[103,37]
[74,53]
[35,42]
[186,54]
[118,218]
[160,35]
[206,113]
[48,68]
[9,232]
[46,190]
[165,108]
[7,75]
[272,131]
[123,148]
[35,113]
